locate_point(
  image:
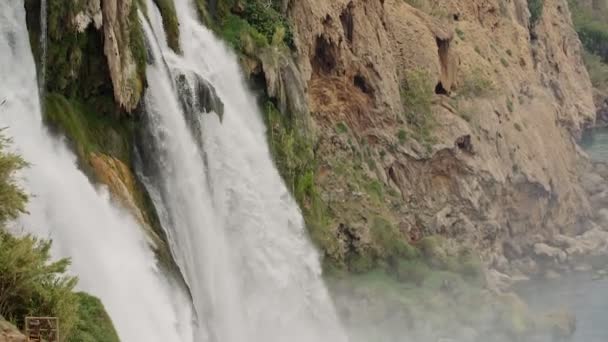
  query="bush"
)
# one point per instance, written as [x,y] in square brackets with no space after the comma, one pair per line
[266,20]
[416,97]
[390,244]
[33,286]
[12,197]
[536,10]
[93,324]
[475,84]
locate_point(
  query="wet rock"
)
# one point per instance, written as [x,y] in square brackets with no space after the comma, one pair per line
[593,183]
[197,95]
[548,252]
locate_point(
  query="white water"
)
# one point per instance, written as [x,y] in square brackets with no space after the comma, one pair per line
[109,253]
[235,231]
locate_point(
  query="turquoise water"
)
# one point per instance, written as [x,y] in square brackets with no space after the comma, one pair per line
[595,142]
[580,295]
[586,298]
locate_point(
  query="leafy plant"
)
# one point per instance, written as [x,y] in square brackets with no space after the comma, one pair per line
[416,97]
[536,10]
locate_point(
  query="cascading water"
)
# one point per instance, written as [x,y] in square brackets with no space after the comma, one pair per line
[108,250]
[235,231]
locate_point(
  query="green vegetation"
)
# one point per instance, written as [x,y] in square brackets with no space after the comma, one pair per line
[536,10]
[592,28]
[598,71]
[88,130]
[76,63]
[460,33]
[402,136]
[32,284]
[254,26]
[93,323]
[341,128]
[504,62]
[416,97]
[294,156]
[12,197]
[170,22]
[475,84]
[510,105]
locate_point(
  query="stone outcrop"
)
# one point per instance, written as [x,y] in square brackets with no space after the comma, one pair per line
[123,188]
[8,332]
[128,87]
[510,98]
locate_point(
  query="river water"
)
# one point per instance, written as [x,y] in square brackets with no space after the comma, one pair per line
[582,296]
[578,293]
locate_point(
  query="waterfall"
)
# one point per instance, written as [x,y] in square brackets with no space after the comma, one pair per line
[234,229]
[108,250]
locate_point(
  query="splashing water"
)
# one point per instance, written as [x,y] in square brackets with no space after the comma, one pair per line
[108,250]
[235,231]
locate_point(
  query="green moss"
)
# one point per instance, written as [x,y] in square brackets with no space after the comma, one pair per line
[170,22]
[88,129]
[93,324]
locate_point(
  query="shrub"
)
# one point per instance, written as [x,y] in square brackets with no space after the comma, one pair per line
[93,323]
[12,197]
[460,33]
[416,97]
[341,128]
[402,136]
[475,84]
[266,20]
[510,105]
[536,11]
[389,243]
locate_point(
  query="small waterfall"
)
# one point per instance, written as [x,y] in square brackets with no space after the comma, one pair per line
[234,229]
[43,50]
[109,253]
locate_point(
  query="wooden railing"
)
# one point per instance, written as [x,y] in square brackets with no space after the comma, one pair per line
[42,329]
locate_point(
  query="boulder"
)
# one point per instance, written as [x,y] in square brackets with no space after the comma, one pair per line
[545,251]
[593,183]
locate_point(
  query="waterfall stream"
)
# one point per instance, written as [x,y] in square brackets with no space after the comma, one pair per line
[234,229]
[109,253]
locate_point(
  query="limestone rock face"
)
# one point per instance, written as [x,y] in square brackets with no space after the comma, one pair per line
[8,332]
[121,184]
[510,98]
[123,69]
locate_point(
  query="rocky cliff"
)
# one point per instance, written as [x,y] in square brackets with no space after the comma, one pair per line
[492,162]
